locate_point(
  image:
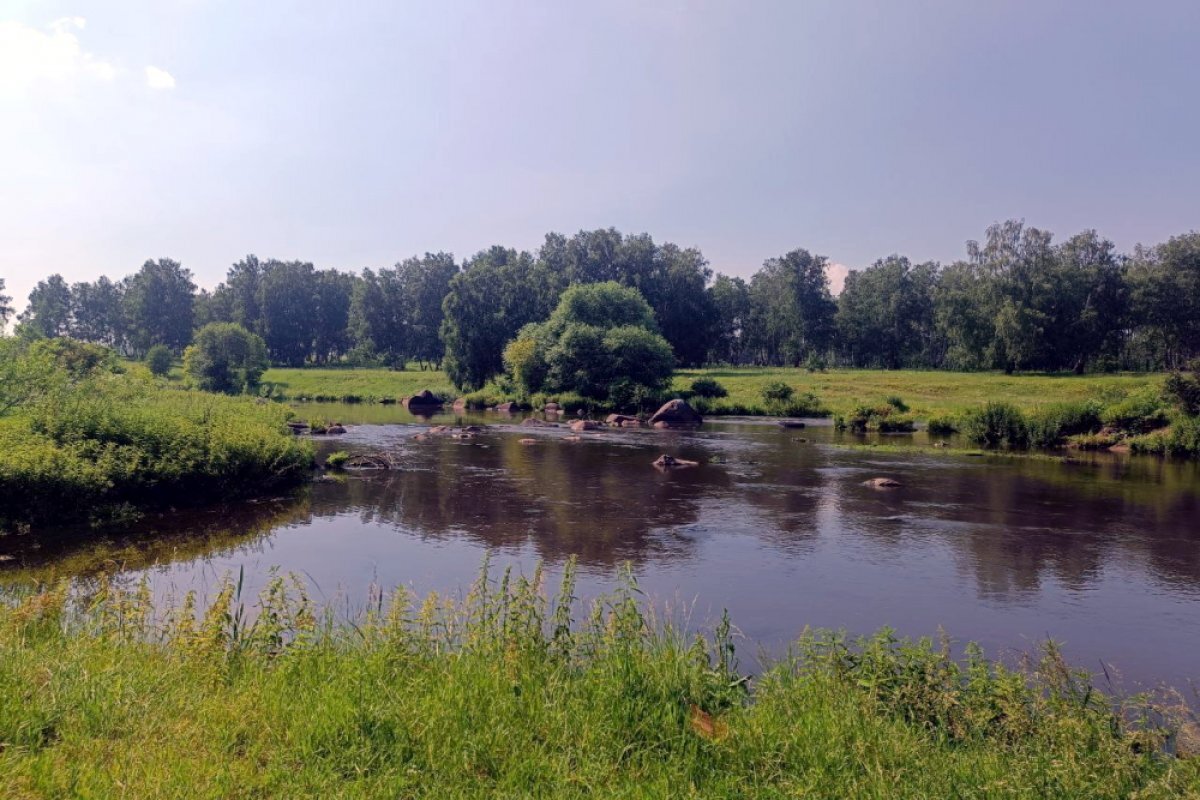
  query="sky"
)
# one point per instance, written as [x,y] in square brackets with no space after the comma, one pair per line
[358,134]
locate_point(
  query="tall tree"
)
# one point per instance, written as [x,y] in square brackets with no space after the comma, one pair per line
[158,303]
[6,309]
[730,299]
[97,314]
[885,314]
[426,282]
[379,316]
[489,301]
[49,311]
[331,339]
[793,311]
[287,300]
[1165,284]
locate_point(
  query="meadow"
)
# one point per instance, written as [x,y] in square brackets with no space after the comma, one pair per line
[505,693]
[927,393]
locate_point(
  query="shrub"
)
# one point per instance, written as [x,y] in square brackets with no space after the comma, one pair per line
[1181,439]
[225,357]
[1050,426]
[158,359]
[895,402]
[1140,412]
[708,387]
[996,424]
[815,363]
[941,426]
[1184,390]
[881,418]
[337,459]
[777,393]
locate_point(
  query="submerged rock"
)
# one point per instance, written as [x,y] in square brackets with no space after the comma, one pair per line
[424,399]
[671,462]
[584,425]
[883,483]
[790,423]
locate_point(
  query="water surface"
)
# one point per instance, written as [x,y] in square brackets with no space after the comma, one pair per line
[1102,553]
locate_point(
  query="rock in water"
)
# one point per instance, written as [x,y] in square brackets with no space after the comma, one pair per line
[883,483]
[675,412]
[425,400]
[671,462]
[584,425]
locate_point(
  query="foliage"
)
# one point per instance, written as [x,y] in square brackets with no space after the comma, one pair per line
[709,387]
[600,342]
[49,310]
[6,309]
[225,357]
[158,359]
[885,314]
[505,692]
[777,392]
[887,417]
[1050,426]
[792,312]
[1180,439]
[336,459]
[1140,412]
[1184,390]
[159,304]
[942,426]
[996,424]
[108,439]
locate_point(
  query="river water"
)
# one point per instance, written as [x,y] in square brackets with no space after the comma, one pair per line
[1101,553]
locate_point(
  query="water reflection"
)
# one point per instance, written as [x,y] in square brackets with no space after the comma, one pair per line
[1102,551]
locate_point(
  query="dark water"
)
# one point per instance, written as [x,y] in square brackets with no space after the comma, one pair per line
[775,525]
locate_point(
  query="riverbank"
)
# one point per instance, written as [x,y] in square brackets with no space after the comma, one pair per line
[927,393]
[503,694]
[107,445]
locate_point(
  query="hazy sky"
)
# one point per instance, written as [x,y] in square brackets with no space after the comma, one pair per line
[356,134]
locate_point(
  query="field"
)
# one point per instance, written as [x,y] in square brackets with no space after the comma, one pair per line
[928,393]
[503,694]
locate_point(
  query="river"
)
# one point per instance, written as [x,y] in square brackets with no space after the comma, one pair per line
[1101,553]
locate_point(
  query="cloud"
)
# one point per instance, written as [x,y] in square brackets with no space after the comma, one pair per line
[32,58]
[837,276]
[159,78]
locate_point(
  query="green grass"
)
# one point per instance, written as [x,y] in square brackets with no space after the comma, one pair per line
[927,393]
[112,443]
[357,385]
[502,694]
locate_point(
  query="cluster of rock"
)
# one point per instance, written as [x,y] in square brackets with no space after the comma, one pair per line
[299,427]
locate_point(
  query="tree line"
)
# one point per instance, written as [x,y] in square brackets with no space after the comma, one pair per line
[1017,301]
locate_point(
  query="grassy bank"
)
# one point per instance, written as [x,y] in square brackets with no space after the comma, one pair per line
[108,444]
[503,695]
[928,393]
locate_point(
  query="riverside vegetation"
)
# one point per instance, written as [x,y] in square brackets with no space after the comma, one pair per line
[83,437]
[504,693]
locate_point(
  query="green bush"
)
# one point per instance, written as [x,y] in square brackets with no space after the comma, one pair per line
[996,424]
[941,426]
[882,418]
[337,459]
[1050,426]
[1140,412]
[1183,389]
[225,357]
[777,393]
[708,387]
[1180,439]
[158,359]
[897,403]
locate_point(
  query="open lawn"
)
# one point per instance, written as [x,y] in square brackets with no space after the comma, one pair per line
[927,393]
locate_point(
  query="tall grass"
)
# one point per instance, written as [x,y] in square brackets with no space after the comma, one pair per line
[507,692]
[115,440]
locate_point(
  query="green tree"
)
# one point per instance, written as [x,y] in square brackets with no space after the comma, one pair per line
[490,300]
[288,304]
[730,299]
[158,304]
[331,338]
[158,359]
[425,283]
[49,311]
[792,311]
[601,340]
[964,316]
[6,309]
[96,313]
[885,314]
[1164,281]
[378,316]
[225,357]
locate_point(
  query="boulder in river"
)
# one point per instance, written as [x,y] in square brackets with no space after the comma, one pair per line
[552,408]
[532,422]
[584,425]
[671,462]
[883,483]
[425,400]
[790,423]
[622,421]
[675,413]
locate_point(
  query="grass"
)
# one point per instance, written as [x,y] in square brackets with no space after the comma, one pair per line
[841,391]
[503,694]
[354,385]
[112,443]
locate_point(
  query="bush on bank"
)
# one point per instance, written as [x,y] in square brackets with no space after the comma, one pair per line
[504,693]
[100,440]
